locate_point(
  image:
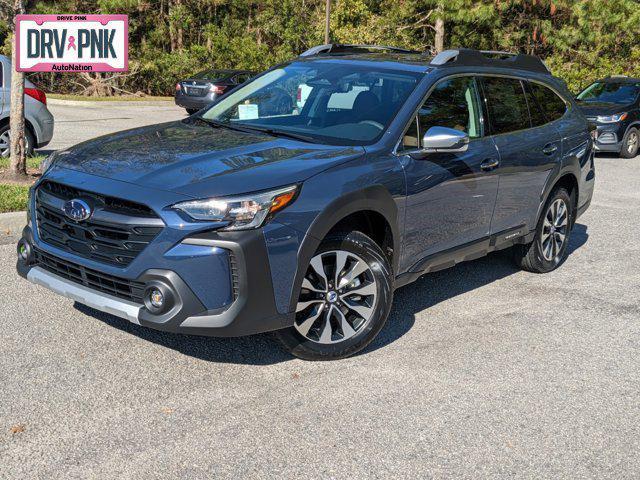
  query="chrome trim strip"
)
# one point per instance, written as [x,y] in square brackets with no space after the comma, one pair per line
[100,301]
[99,214]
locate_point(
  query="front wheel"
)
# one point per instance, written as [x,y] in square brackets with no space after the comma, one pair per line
[344,301]
[630,144]
[191,111]
[551,242]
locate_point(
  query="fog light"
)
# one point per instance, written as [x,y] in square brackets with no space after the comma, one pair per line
[24,251]
[156,298]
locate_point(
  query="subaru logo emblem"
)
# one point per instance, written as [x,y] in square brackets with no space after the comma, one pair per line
[77,210]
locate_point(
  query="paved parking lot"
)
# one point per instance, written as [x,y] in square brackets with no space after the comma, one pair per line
[76,122]
[482,370]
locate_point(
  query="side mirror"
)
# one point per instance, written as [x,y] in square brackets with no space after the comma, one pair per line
[442,139]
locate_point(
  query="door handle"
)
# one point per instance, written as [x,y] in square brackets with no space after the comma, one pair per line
[489,164]
[550,149]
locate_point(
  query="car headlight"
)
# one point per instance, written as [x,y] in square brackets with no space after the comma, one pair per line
[242,212]
[612,118]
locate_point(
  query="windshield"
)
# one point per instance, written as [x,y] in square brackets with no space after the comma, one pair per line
[609,92]
[327,102]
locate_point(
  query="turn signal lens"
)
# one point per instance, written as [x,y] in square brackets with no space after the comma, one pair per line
[282,201]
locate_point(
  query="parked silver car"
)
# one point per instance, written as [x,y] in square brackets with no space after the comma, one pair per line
[39,121]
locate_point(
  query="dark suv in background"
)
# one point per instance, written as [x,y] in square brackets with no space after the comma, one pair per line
[303,215]
[202,89]
[613,104]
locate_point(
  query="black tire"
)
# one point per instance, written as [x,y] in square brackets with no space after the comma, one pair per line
[630,143]
[367,250]
[28,137]
[534,257]
[191,111]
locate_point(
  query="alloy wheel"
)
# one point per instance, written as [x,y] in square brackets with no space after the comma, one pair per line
[5,142]
[554,230]
[632,142]
[338,297]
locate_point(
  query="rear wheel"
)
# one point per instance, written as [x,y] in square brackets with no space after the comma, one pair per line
[344,301]
[5,141]
[630,144]
[551,242]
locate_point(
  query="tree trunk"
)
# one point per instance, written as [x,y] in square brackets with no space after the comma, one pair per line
[327,23]
[18,164]
[439,42]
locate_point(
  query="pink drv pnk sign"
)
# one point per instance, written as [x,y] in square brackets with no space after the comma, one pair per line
[72,43]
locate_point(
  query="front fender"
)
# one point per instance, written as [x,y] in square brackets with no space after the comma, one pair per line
[325,200]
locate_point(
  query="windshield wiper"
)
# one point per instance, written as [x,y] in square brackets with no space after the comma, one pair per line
[280,133]
[253,129]
[218,124]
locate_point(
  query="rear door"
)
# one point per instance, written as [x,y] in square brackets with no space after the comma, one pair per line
[529,147]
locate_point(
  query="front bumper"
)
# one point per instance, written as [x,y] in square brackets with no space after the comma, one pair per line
[609,138]
[252,310]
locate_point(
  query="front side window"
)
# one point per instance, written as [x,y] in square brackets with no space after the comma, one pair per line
[453,103]
[333,102]
[552,105]
[610,92]
[507,104]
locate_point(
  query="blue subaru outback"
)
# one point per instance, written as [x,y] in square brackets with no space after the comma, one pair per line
[300,201]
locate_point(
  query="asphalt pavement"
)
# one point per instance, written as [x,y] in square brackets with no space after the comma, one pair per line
[76,122]
[482,371]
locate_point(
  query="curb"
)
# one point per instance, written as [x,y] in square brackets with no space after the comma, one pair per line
[114,103]
[11,224]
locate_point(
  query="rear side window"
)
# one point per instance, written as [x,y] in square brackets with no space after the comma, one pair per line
[552,105]
[507,104]
[538,117]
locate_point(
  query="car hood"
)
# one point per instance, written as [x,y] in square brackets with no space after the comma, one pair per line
[193,158]
[603,108]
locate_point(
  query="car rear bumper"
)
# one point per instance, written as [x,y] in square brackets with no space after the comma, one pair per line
[42,122]
[187,101]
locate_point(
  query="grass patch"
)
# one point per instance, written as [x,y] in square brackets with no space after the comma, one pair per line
[13,198]
[121,98]
[32,162]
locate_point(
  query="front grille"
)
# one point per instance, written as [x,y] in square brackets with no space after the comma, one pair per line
[607,138]
[114,239]
[109,284]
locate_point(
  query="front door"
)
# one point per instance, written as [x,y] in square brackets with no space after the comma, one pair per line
[450,196]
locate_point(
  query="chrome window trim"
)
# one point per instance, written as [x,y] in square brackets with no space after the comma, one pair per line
[569,106]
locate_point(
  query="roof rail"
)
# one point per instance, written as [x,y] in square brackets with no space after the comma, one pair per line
[489,58]
[339,48]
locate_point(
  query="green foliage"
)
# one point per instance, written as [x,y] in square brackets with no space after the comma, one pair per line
[169,39]
[13,198]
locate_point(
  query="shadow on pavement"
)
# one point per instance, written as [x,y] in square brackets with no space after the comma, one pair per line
[436,287]
[408,301]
